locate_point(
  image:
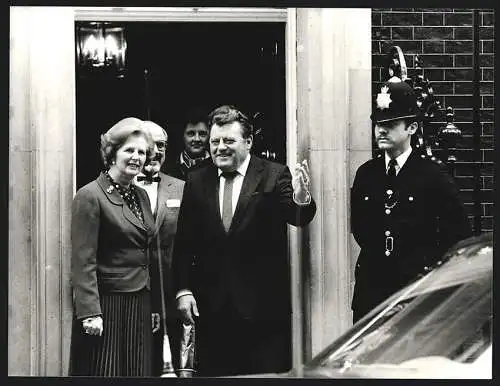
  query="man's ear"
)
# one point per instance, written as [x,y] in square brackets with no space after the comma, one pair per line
[249,141]
[413,127]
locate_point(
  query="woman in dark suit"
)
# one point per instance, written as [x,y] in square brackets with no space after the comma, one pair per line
[111,229]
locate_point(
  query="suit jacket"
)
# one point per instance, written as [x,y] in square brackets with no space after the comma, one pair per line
[427,219]
[167,210]
[109,245]
[175,169]
[247,266]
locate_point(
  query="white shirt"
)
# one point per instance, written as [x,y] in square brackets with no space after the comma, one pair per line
[151,189]
[237,184]
[400,160]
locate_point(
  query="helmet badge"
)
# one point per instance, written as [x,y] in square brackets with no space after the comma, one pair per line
[384,98]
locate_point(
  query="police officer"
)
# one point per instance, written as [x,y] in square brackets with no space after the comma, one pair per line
[405,207]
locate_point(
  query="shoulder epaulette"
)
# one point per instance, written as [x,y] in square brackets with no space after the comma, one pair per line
[432,159]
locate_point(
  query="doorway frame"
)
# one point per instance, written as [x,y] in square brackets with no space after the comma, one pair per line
[288,16]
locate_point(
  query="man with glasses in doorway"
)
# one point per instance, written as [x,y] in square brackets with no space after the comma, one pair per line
[406,209]
[165,194]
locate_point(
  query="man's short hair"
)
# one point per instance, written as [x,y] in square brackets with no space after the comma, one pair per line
[196,115]
[228,114]
[149,125]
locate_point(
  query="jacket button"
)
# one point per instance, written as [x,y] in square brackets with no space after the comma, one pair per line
[144,266]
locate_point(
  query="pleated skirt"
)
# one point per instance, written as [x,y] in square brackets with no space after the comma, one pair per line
[125,347]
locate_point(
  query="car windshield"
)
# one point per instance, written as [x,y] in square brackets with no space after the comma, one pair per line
[447,313]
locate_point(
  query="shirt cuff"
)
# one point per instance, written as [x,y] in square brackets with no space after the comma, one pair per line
[182,293]
[83,318]
[307,202]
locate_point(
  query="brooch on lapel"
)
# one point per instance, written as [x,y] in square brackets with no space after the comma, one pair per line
[110,189]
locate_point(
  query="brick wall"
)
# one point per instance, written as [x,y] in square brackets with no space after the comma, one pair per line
[442,38]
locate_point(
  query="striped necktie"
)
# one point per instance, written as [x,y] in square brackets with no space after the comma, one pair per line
[227,199]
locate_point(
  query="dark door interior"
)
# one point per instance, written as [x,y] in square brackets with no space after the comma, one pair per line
[171,68]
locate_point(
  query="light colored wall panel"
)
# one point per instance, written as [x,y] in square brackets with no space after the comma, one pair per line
[42,122]
[19,303]
[332,71]
[360,101]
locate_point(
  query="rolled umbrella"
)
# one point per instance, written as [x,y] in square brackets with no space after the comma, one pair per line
[168,368]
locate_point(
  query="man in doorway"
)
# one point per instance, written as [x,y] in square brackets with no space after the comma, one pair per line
[405,208]
[195,142]
[230,262]
[165,193]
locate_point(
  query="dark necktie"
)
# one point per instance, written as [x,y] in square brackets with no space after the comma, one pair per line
[227,199]
[391,172]
[148,179]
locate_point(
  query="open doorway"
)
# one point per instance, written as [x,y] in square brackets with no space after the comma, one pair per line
[172,67]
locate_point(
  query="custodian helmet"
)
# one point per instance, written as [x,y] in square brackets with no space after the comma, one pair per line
[395,100]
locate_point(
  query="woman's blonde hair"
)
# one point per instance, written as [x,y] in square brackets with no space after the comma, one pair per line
[118,134]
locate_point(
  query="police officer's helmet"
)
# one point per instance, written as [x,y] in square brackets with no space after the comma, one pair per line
[395,100]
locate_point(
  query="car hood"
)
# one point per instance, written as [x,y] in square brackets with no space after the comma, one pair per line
[431,367]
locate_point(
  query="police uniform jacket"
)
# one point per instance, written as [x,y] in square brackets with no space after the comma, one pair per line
[109,245]
[399,237]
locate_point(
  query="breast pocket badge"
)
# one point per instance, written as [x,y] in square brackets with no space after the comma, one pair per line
[173,203]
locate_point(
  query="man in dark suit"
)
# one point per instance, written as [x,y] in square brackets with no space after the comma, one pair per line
[165,193]
[230,259]
[405,208]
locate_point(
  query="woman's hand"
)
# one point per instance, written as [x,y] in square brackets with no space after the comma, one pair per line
[93,325]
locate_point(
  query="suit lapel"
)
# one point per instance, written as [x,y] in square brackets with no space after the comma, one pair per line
[212,194]
[113,196]
[109,190]
[250,183]
[149,222]
[130,216]
[161,207]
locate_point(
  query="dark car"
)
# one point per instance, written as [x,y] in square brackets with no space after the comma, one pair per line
[439,326]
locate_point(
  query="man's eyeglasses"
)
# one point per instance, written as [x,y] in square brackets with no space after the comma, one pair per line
[161,145]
